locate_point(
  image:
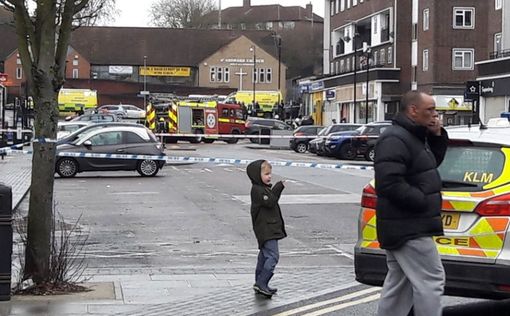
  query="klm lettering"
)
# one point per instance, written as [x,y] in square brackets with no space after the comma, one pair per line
[478,177]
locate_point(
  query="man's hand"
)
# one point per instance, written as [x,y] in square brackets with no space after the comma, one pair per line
[435,126]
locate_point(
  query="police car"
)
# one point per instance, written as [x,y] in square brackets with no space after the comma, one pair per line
[475,249]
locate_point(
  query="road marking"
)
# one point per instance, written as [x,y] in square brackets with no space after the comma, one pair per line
[208,170]
[132,193]
[310,198]
[342,253]
[328,302]
[344,305]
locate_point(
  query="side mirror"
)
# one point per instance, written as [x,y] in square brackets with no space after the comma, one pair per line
[87,143]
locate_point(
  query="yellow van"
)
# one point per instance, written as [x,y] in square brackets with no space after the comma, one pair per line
[72,100]
[265,99]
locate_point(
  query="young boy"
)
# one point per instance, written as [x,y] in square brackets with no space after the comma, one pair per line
[267,223]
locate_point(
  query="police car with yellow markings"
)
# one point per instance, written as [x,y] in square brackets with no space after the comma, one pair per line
[475,249]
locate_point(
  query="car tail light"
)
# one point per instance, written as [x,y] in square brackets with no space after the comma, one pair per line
[496,206]
[368,197]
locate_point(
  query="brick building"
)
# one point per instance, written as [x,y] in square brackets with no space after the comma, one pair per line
[426,45]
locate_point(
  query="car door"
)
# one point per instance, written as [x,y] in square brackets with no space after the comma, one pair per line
[136,145]
[110,142]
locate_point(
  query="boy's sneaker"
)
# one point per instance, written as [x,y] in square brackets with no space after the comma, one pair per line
[272,290]
[265,292]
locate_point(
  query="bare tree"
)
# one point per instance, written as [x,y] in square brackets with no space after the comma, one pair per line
[180,13]
[44,30]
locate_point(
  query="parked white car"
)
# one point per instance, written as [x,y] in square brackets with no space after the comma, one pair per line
[66,128]
[123,111]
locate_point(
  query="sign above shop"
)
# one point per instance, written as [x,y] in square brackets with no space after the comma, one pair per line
[241,61]
[317,85]
[452,103]
[330,94]
[165,71]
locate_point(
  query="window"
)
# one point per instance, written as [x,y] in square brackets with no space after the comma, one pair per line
[75,74]
[354,3]
[348,3]
[254,76]
[262,73]
[497,43]
[226,75]
[269,76]
[342,66]
[342,5]
[269,25]
[219,74]
[499,4]
[108,138]
[224,113]
[212,74]
[376,59]
[426,16]
[425,60]
[19,73]
[463,59]
[332,8]
[18,61]
[75,62]
[289,25]
[382,56]
[463,18]
[390,55]
[133,138]
[243,26]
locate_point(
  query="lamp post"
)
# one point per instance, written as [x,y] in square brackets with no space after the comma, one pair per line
[144,83]
[355,66]
[279,43]
[254,77]
[367,51]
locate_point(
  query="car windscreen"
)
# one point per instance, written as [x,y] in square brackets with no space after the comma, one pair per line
[471,166]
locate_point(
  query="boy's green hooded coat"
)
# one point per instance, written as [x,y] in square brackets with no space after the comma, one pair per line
[266,215]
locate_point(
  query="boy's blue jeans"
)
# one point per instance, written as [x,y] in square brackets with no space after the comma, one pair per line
[266,263]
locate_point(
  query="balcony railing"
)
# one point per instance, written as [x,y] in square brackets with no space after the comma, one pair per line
[499,54]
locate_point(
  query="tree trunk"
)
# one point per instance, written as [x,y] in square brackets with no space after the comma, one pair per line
[40,212]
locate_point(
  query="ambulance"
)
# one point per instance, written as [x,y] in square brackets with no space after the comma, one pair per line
[265,99]
[75,100]
[475,247]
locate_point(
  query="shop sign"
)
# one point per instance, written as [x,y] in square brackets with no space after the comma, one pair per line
[165,71]
[317,85]
[452,103]
[330,94]
[120,70]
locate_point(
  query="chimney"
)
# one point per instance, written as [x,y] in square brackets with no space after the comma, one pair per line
[246,3]
[309,11]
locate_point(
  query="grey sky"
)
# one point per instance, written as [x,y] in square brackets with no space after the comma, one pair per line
[135,12]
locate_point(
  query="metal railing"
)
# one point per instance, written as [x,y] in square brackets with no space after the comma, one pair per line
[500,54]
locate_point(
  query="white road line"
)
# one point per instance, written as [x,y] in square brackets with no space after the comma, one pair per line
[132,193]
[310,198]
[208,170]
[175,168]
[343,253]
[344,305]
[331,301]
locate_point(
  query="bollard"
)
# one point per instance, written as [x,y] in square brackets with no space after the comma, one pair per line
[5,242]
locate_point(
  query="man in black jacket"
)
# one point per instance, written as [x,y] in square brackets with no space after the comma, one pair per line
[408,208]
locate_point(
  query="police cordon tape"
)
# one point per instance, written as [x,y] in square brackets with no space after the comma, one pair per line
[264,136]
[213,160]
[14,148]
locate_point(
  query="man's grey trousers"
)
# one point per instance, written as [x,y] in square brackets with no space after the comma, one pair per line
[415,279]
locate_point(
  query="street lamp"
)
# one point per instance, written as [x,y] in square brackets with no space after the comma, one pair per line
[355,66]
[145,83]
[279,46]
[254,77]
[367,50]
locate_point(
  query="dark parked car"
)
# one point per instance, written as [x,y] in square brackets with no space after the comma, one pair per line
[87,128]
[348,145]
[318,143]
[262,126]
[300,145]
[111,140]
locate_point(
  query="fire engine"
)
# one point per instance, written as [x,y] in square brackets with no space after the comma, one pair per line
[200,116]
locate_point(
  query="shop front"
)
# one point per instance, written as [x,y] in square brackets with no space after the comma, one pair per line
[453,110]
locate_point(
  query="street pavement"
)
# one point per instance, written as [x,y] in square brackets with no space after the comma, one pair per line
[154,290]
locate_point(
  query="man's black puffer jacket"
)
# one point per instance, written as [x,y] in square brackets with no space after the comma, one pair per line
[407,183]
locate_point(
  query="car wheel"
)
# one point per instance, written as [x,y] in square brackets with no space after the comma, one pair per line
[147,168]
[370,154]
[208,140]
[347,152]
[253,139]
[197,139]
[67,167]
[233,140]
[301,148]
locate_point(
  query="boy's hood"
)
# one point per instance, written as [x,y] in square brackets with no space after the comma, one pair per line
[253,171]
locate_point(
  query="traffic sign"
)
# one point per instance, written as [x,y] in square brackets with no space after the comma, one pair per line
[472,91]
